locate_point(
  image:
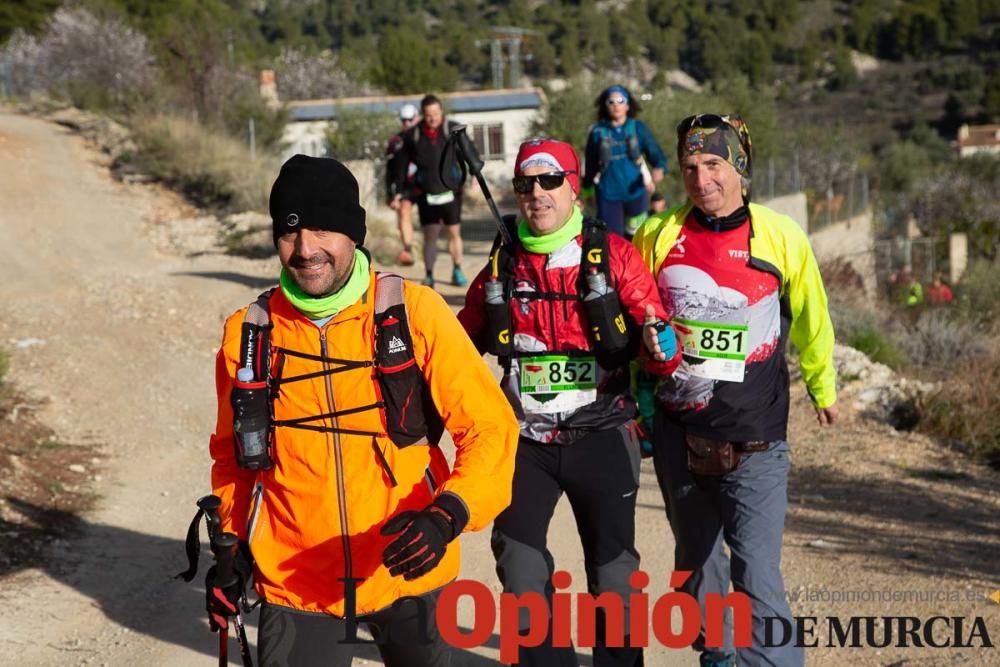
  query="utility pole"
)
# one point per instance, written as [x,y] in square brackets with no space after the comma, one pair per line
[512,36]
[496,62]
[514,51]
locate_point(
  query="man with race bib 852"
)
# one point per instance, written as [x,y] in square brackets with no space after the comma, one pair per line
[739,281]
[562,306]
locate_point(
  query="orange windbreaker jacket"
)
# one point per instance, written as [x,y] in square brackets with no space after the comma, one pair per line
[314,518]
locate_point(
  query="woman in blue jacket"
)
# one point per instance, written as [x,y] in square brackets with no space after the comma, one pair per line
[615,149]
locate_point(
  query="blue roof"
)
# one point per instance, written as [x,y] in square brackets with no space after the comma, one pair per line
[454,102]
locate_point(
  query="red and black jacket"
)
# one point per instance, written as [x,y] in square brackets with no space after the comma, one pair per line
[544,320]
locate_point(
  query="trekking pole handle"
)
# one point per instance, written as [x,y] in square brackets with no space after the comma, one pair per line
[470,155]
[224,547]
[210,505]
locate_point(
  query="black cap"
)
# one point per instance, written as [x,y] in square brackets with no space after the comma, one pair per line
[318,193]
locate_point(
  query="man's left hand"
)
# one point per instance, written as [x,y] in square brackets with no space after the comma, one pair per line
[657,175]
[659,336]
[423,539]
[827,416]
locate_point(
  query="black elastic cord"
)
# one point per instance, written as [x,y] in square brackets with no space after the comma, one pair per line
[329,415]
[353,363]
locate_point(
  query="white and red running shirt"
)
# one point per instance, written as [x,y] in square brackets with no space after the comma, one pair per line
[733,381]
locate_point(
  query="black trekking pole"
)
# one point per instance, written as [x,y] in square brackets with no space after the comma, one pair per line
[468,153]
[224,548]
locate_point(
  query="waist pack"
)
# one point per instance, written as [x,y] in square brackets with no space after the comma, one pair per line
[718,457]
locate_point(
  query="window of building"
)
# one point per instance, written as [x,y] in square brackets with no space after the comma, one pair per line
[488,138]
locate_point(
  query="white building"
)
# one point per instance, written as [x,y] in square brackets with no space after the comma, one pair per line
[974,139]
[497,120]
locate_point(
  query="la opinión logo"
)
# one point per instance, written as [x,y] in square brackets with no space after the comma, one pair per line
[644,615]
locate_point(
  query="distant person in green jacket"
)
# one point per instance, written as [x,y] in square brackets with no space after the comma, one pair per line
[911,290]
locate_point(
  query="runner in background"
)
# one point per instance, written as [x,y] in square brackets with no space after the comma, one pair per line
[618,146]
[410,193]
[439,207]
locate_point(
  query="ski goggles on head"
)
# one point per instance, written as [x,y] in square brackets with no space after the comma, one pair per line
[550,181]
[616,100]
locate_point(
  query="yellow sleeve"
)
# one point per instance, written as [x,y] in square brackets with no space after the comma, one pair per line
[469,400]
[645,241]
[812,329]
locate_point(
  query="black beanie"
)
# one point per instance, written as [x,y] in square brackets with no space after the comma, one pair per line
[318,193]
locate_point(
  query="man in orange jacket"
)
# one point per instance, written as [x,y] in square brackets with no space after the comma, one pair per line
[352,506]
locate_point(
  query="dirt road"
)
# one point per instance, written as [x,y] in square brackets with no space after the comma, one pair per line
[130,329]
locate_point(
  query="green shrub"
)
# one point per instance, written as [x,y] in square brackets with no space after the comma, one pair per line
[967,409]
[359,135]
[211,168]
[877,344]
[939,339]
[866,332]
[977,296]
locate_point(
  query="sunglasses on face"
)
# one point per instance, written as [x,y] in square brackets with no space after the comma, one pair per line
[612,101]
[550,181]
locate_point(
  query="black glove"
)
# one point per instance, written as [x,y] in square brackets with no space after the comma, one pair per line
[222,603]
[424,536]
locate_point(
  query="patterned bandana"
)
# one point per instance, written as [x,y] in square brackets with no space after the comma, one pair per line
[725,136]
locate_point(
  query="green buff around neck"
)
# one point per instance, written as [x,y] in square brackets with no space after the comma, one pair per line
[316,308]
[543,245]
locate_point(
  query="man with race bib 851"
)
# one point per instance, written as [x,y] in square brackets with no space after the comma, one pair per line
[739,281]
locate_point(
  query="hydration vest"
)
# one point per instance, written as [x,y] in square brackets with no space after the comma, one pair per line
[593,257]
[404,401]
[451,170]
[605,149]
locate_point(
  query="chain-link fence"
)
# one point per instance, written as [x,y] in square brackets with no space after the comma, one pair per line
[835,193]
[922,258]
[842,200]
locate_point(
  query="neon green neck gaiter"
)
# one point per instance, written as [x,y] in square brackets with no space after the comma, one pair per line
[316,308]
[543,245]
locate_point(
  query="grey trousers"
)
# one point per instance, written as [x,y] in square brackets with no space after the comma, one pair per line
[746,510]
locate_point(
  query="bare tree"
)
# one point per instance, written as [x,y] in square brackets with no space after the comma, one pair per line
[962,198]
[301,76]
[83,57]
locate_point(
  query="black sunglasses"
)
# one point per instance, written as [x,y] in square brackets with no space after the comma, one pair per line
[550,181]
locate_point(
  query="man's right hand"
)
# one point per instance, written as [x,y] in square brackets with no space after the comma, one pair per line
[659,336]
[221,603]
[827,416]
[395,202]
